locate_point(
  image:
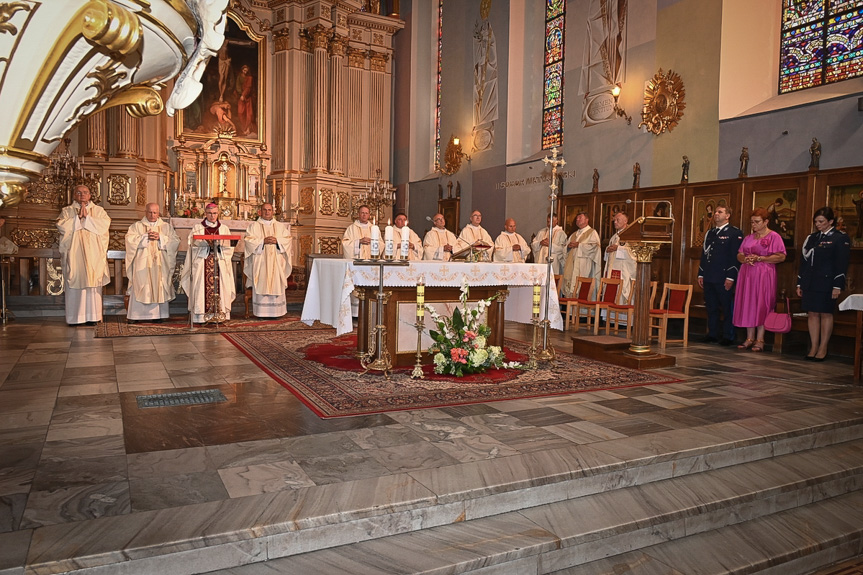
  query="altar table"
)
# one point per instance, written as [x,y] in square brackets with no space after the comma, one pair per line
[855,302]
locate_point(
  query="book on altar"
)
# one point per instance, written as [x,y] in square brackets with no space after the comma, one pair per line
[232,237]
[467,252]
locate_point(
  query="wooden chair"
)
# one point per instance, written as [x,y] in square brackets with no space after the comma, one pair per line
[614,311]
[673,305]
[583,288]
[609,293]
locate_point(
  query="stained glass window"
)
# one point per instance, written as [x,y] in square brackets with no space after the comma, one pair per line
[822,42]
[437,104]
[552,89]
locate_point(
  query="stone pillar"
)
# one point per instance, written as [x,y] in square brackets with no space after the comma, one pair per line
[321,100]
[379,96]
[128,135]
[356,104]
[97,136]
[337,111]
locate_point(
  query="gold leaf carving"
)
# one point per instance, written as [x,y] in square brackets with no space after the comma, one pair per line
[378,61]
[327,202]
[106,78]
[356,58]
[282,40]
[141,185]
[119,192]
[112,26]
[117,240]
[305,247]
[378,39]
[56,283]
[331,245]
[307,200]
[40,193]
[40,238]
[663,102]
[7,11]
[344,204]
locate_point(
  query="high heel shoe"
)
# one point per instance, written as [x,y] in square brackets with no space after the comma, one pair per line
[758,346]
[815,358]
[746,344]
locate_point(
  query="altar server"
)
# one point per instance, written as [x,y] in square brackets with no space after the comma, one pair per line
[268,263]
[509,245]
[414,243]
[440,243]
[474,232]
[83,247]
[558,246]
[151,257]
[205,259]
[584,258]
[356,243]
[619,257]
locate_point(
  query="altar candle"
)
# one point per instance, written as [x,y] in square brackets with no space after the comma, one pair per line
[388,240]
[406,242]
[376,241]
[421,298]
[536,298]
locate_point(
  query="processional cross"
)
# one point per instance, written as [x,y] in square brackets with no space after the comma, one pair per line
[547,352]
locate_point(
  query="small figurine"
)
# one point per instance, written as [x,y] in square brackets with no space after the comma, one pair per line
[744,163]
[595,180]
[684,176]
[636,176]
[815,154]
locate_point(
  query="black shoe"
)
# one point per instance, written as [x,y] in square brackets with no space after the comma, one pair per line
[809,358]
[726,342]
[709,339]
[819,358]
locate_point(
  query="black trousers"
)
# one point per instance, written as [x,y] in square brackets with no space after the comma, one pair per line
[716,299]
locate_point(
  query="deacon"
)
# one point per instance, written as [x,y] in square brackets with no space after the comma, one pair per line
[414,243]
[440,243]
[84,256]
[268,263]
[356,243]
[151,257]
[204,260]
[584,258]
[717,274]
[619,257]
[509,245]
[558,246]
[474,232]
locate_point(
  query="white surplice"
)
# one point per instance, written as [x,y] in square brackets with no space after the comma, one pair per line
[503,251]
[268,266]
[84,258]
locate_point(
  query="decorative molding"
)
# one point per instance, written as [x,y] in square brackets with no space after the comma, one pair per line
[331,244]
[55,284]
[378,61]
[378,39]
[281,40]
[327,204]
[39,238]
[119,190]
[306,243]
[40,193]
[307,200]
[141,187]
[338,45]
[280,15]
[357,34]
[663,102]
[249,15]
[344,204]
[320,37]
[310,12]
[305,41]
[117,240]
[342,20]
[356,58]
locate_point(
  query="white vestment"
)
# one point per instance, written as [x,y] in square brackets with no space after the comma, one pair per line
[583,261]
[413,254]
[434,242]
[472,234]
[84,258]
[268,266]
[192,276]
[351,247]
[503,251]
[558,248]
[622,260]
[150,268]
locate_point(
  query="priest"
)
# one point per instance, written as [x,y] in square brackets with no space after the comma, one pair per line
[558,246]
[206,260]
[414,243]
[267,264]
[356,243]
[440,243]
[474,232]
[510,246]
[584,258]
[619,257]
[83,246]
[151,257]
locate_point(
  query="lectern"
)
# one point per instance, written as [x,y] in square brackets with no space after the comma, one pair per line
[644,237]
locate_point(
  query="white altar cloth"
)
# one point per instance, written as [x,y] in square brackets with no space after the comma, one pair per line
[328,295]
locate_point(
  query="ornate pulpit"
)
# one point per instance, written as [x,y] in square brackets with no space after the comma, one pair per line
[644,237]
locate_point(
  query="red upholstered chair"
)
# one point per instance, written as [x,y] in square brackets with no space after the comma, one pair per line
[673,305]
[609,293]
[615,311]
[581,292]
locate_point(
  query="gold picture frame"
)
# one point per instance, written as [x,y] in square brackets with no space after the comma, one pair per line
[781,205]
[847,204]
[702,215]
[607,211]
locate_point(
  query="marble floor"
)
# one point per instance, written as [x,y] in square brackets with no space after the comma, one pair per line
[74,445]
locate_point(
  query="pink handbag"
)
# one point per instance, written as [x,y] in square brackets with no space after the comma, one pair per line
[779,322]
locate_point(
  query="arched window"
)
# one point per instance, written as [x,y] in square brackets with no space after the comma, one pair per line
[822,42]
[437,86]
[552,92]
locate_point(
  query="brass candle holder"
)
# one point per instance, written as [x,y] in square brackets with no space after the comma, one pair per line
[417,373]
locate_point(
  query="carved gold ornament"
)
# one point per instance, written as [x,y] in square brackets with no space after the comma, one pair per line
[55,284]
[119,193]
[7,11]
[331,245]
[38,238]
[663,102]
[453,156]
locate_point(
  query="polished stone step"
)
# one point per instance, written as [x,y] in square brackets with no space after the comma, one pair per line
[746,515]
[221,534]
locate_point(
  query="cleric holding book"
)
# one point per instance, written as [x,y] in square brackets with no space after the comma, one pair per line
[203,258]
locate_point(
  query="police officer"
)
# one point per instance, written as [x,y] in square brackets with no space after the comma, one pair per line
[821,277]
[717,274]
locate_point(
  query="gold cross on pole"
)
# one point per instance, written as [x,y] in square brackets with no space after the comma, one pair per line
[554,161]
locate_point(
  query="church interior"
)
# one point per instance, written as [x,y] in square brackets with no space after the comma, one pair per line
[738,462]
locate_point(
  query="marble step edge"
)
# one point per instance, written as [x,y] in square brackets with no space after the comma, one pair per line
[228,525]
[549,538]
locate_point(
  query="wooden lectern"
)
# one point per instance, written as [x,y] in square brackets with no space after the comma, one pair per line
[644,237]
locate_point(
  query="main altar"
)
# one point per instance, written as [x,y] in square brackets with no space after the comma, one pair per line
[332,282]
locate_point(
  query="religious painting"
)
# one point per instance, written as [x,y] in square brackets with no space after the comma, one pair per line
[656,208]
[847,204]
[702,216]
[232,99]
[450,209]
[607,212]
[570,207]
[781,206]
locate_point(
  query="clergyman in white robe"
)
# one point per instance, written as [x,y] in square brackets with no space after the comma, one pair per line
[196,277]
[437,239]
[83,247]
[558,247]
[268,264]
[151,258]
[584,258]
[619,257]
[356,243]
[474,232]
[399,229]
[506,241]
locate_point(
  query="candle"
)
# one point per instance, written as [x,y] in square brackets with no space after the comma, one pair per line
[388,241]
[376,241]
[536,298]
[421,298]
[406,242]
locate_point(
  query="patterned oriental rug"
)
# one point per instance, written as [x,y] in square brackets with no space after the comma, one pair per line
[116,326]
[324,374]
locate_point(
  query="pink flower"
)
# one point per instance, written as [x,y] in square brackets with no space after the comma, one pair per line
[469,335]
[458,355]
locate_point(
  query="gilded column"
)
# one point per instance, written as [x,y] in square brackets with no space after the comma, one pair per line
[378,116]
[337,113]
[128,135]
[281,44]
[355,107]
[321,100]
[97,136]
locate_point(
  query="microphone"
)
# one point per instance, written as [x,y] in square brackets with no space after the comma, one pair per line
[628,201]
[428,218]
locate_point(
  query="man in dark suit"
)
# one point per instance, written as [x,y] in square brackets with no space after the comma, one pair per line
[717,274]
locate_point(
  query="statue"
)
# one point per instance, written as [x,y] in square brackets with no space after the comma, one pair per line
[595,180]
[636,176]
[744,163]
[684,176]
[815,154]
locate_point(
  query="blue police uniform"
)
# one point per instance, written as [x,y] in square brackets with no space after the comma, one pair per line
[822,269]
[718,263]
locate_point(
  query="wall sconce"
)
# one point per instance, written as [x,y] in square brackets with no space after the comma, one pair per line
[453,156]
[615,91]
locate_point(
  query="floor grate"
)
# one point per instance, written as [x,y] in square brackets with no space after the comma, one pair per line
[197,397]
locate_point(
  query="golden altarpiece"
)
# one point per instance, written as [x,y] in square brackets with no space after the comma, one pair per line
[294,110]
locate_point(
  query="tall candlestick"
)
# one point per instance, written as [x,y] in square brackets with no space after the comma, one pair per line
[536,297]
[421,298]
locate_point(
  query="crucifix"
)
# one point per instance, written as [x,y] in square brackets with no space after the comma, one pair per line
[547,352]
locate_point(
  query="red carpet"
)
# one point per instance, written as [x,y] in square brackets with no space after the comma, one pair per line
[116,326]
[324,374]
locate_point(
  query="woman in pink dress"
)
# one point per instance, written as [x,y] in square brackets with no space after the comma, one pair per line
[755,294]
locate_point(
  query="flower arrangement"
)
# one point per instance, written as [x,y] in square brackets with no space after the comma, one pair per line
[460,341]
